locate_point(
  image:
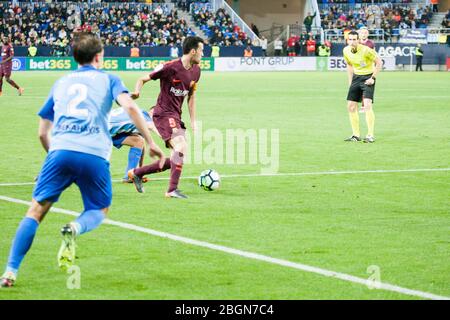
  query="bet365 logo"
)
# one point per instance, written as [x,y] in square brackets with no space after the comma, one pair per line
[50,64]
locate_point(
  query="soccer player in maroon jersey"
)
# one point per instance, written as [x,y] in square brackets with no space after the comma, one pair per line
[178,79]
[364,39]
[6,65]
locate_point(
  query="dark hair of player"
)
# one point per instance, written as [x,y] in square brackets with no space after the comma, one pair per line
[85,46]
[191,43]
[353,33]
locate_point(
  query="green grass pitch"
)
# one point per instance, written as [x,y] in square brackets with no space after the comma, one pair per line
[398,221]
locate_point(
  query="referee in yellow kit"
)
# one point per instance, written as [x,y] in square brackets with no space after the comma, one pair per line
[363,65]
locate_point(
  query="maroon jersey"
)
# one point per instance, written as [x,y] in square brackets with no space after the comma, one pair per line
[176,83]
[7,52]
[369,43]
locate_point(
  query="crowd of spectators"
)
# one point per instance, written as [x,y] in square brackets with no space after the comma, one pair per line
[219,27]
[361,1]
[376,17]
[53,24]
[389,18]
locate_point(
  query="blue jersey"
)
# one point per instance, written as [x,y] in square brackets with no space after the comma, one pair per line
[120,122]
[79,105]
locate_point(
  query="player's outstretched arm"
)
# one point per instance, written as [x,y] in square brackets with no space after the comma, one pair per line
[138,87]
[45,126]
[136,116]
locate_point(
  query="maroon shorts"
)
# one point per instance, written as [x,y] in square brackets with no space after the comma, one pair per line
[165,126]
[5,72]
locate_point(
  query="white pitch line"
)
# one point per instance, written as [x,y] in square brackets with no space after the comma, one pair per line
[17,184]
[286,174]
[252,255]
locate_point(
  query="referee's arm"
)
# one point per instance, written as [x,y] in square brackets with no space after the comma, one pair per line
[349,73]
[378,66]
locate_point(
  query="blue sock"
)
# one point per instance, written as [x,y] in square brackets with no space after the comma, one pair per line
[22,242]
[89,220]
[134,156]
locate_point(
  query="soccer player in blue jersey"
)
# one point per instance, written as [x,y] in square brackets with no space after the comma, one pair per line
[76,112]
[124,133]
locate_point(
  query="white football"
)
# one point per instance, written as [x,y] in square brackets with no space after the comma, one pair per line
[209,180]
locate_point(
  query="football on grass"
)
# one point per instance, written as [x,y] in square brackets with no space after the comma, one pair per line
[209,180]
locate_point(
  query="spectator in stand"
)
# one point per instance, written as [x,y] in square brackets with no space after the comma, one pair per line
[308,21]
[248,52]
[255,29]
[445,23]
[32,50]
[264,45]
[291,46]
[278,46]
[324,51]
[311,46]
[134,51]
[215,51]
[303,38]
[298,47]
[435,4]
[174,52]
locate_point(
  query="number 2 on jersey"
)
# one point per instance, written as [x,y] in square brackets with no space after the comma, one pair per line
[80,92]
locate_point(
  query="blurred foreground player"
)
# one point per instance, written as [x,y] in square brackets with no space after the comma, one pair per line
[78,109]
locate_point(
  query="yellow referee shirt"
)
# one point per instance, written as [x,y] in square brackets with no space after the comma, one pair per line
[362,61]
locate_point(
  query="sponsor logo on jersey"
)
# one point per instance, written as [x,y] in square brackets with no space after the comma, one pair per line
[179,92]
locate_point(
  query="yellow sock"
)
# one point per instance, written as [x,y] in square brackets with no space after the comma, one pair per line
[354,120]
[370,119]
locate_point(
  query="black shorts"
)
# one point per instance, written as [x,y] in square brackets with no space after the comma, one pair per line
[358,90]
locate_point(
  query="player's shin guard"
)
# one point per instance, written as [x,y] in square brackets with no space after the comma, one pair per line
[88,221]
[22,243]
[176,166]
[12,83]
[134,156]
[152,168]
[354,121]
[370,119]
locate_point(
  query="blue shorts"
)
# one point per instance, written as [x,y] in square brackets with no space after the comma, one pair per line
[90,173]
[119,139]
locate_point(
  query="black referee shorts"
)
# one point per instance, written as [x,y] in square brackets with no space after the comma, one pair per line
[358,90]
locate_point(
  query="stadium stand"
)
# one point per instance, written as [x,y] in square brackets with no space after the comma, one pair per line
[218,26]
[385,20]
[49,24]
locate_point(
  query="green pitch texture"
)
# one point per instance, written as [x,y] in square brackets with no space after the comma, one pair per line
[399,222]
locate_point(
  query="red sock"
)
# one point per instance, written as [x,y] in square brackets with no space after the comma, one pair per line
[152,168]
[1,83]
[11,82]
[176,162]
